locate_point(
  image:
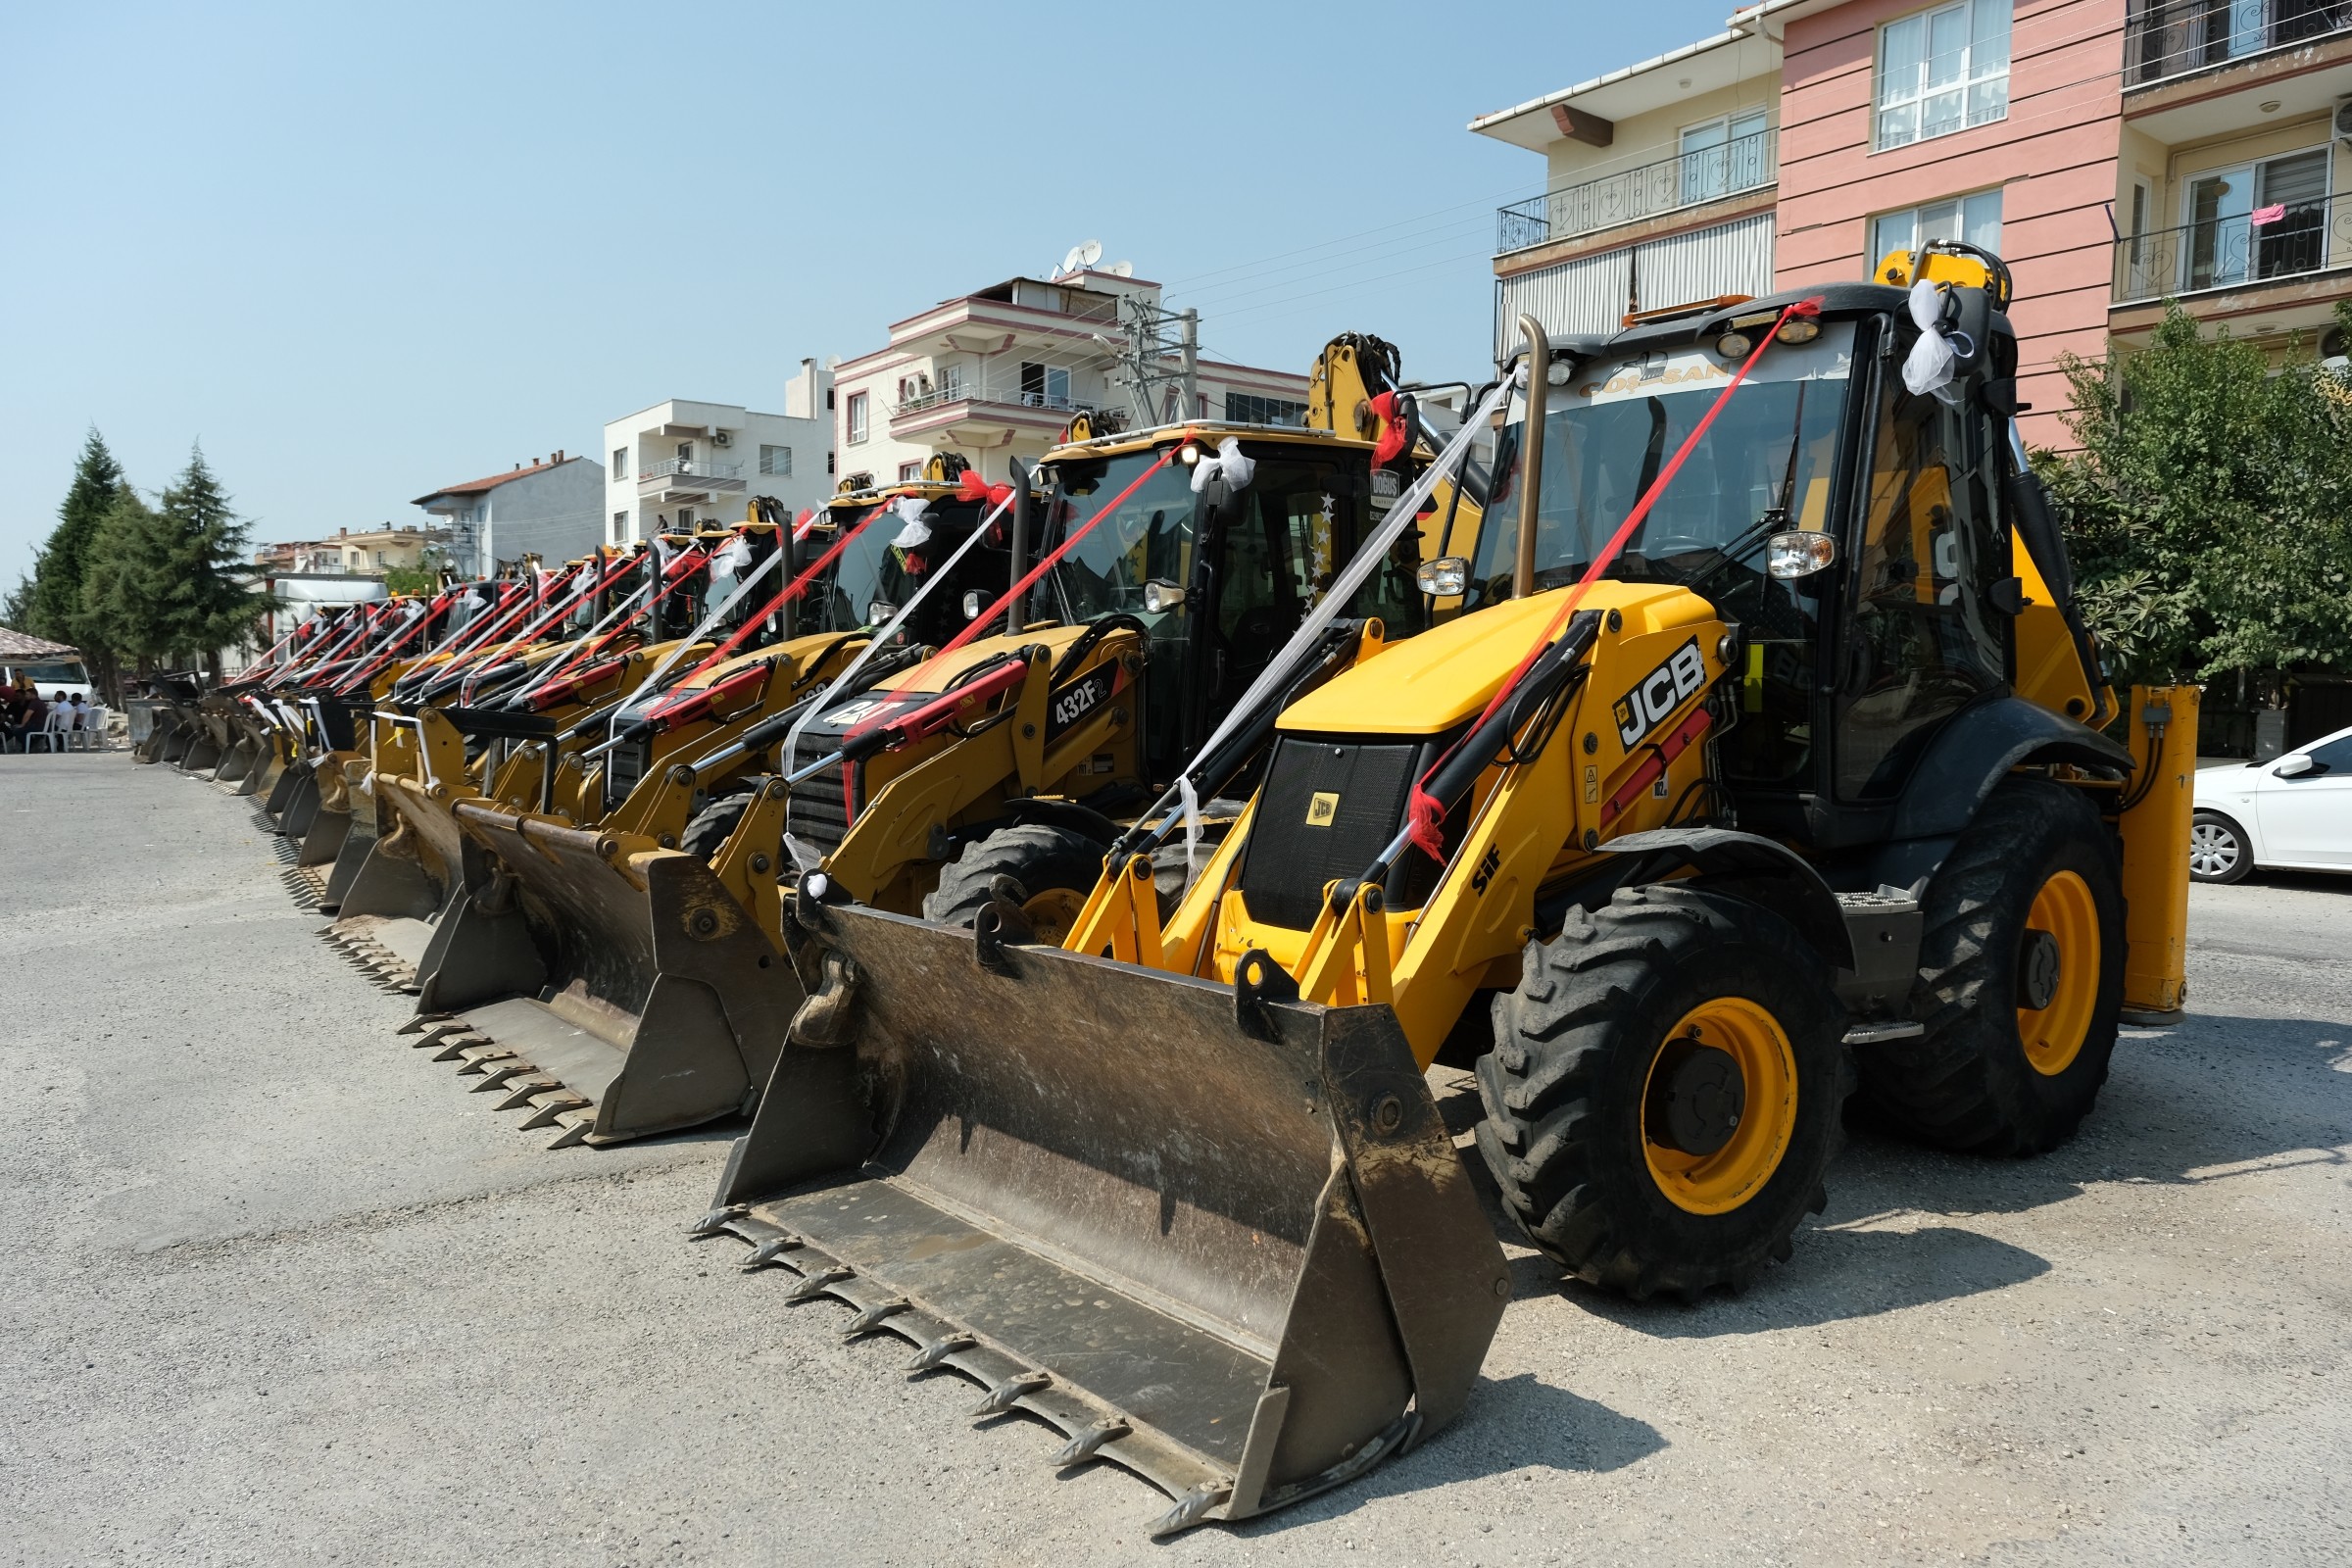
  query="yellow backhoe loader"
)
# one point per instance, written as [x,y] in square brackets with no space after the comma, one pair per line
[1180,559]
[1768,746]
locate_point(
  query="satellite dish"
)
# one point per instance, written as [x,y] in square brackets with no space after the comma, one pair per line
[832,361]
[1122,268]
[1082,255]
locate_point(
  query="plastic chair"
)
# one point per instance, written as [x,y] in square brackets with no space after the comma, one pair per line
[90,733]
[53,733]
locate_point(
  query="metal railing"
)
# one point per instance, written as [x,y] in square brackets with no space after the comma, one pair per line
[2170,37]
[1705,174]
[1002,396]
[688,469]
[2234,252]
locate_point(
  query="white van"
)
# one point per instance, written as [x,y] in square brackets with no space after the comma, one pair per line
[51,676]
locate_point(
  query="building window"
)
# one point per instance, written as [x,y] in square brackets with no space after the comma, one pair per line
[1722,156]
[685,519]
[685,452]
[776,460]
[950,382]
[909,473]
[1973,219]
[828,398]
[2256,220]
[1942,70]
[1248,407]
[856,418]
[620,526]
[829,458]
[620,463]
[1044,386]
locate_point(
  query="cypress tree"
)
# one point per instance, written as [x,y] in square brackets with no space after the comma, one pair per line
[201,551]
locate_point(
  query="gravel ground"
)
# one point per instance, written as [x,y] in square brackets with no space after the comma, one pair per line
[283,1292]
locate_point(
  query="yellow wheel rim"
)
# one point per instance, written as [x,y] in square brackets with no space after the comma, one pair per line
[1719,1182]
[2053,1036]
[1052,913]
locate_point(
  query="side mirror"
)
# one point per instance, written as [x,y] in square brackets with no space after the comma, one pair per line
[2294,766]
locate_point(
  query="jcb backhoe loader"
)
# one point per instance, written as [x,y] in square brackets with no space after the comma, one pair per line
[487,719]
[576,926]
[1023,754]
[1769,740]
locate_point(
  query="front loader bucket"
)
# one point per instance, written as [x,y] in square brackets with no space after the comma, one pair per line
[270,766]
[1227,1245]
[385,913]
[204,746]
[238,760]
[614,1004]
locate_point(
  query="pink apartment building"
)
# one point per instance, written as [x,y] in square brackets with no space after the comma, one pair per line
[2118,153]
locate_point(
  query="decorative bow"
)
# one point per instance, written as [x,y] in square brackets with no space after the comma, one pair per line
[971,487]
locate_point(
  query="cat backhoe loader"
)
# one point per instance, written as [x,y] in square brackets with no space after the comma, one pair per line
[1767,743]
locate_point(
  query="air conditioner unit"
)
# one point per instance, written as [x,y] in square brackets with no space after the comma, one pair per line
[722,438]
[2344,118]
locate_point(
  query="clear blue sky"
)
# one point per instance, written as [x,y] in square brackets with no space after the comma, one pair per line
[360,253]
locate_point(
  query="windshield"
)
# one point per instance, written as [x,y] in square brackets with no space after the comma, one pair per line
[1763,465]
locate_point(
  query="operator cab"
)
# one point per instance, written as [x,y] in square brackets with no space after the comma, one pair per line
[1218,561]
[1853,652]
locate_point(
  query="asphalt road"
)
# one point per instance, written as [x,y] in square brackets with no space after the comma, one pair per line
[283,1292]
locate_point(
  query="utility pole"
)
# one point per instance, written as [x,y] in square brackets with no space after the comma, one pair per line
[1160,356]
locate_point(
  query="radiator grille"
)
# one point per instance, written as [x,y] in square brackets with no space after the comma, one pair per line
[817,815]
[624,765]
[1328,808]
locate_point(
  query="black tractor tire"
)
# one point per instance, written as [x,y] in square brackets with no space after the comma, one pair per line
[1048,871]
[1970,1081]
[715,824]
[2219,853]
[1571,1103]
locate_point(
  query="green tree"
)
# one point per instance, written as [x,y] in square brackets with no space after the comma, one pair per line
[124,600]
[422,578]
[2205,511]
[55,595]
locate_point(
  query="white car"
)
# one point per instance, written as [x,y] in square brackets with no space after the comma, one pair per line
[2293,813]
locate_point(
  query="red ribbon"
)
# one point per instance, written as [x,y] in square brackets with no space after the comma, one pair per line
[1393,433]
[971,487]
[791,591]
[1425,815]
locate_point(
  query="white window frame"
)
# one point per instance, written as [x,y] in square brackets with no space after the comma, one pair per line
[1694,182]
[620,463]
[909,473]
[951,382]
[1973,234]
[1973,72]
[770,457]
[857,420]
[1047,375]
[2254,170]
[620,528]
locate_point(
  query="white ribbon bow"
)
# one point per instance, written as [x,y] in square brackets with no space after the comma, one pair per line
[914,513]
[1229,461]
[1929,365]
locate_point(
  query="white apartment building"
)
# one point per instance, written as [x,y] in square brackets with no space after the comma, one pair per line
[680,464]
[545,508]
[998,375]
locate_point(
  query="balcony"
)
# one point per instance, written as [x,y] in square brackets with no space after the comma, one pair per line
[2167,38]
[2270,245]
[986,396]
[688,479]
[1707,174]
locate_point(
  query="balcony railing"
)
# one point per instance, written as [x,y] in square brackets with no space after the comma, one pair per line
[688,469]
[971,392]
[2170,37]
[1705,174]
[2293,239]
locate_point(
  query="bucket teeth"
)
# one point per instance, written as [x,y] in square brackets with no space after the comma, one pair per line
[457,1045]
[939,1350]
[820,1283]
[477,1059]
[873,1318]
[1189,1510]
[424,1023]
[553,1102]
[576,1125]
[773,1248]
[1005,1395]
[1088,1443]
[717,1220]
[434,1035]
[520,1091]
[512,1066]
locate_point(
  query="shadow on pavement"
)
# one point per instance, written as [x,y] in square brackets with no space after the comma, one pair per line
[1515,1423]
[2214,1099]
